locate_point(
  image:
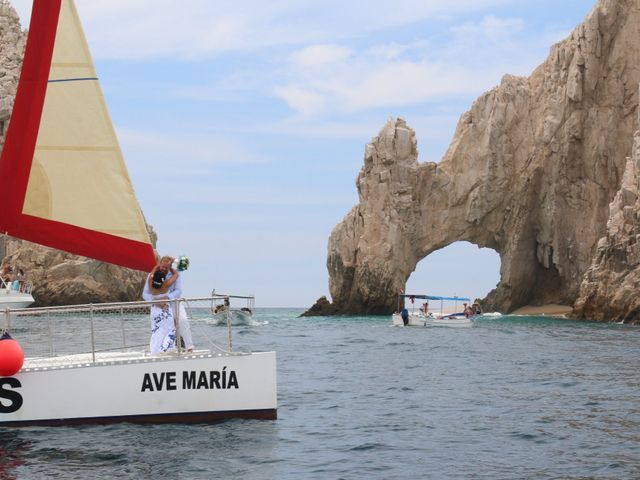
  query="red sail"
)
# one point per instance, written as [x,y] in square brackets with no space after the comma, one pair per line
[62,177]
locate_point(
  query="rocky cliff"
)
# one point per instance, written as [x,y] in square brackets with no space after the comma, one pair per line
[530,173]
[12,43]
[58,277]
[610,287]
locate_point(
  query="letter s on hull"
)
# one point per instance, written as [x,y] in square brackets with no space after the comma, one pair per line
[6,394]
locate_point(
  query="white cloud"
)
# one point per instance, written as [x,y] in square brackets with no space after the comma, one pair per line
[362,82]
[215,194]
[406,83]
[196,28]
[301,99]
[394,50]
[471,59]
[319,78]
[182,154]
[491,28]
[320,56]
[310,127]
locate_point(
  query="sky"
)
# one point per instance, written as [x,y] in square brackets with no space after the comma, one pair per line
[243,124]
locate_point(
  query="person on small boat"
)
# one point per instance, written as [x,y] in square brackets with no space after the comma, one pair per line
[405,316]
[468,312]
[223,307]
[20,277]
[425,308]
[7,275]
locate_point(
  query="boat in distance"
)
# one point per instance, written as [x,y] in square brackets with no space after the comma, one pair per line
[11,297]
[424,317]
[223,310]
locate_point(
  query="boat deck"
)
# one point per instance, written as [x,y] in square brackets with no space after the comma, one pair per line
[113,358]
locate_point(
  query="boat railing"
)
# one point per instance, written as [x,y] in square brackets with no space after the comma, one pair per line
[104,330]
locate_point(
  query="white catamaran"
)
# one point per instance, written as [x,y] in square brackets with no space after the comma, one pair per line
[65,185]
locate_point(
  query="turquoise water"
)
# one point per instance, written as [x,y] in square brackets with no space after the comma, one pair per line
[512,397]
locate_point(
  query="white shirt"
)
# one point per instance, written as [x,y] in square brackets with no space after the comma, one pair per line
[175,290]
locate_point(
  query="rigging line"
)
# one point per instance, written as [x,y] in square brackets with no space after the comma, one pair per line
[74,79]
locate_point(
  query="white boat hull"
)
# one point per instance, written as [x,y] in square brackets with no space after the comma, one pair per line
[197,388]
[421,320]
[12,299]
[460,322]
[238,317]
[413,321]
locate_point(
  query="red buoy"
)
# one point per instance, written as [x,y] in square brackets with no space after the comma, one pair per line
[11,356]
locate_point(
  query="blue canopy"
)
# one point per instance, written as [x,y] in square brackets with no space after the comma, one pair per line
[433,297]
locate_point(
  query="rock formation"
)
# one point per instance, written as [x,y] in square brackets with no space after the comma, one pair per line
[530,173]
[12,43]
[58,277]
[609,290]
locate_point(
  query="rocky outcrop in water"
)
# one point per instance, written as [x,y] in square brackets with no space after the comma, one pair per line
[530,173]
[610,287]
[58,278]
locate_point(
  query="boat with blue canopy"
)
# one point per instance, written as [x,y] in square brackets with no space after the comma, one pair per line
[451,311]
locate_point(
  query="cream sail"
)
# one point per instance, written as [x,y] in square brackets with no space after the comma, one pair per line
[69,185]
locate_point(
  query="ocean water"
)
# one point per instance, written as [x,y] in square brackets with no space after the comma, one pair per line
[510,398]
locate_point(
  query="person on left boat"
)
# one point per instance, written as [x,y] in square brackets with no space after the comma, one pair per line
[163,283]
[7,276]
[20,276]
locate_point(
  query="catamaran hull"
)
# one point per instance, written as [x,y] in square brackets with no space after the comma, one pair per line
[195,389]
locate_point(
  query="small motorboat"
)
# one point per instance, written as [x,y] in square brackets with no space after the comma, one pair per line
[223,312]
[423,317]
[12,297]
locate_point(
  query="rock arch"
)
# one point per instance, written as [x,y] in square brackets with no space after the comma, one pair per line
[530,173]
